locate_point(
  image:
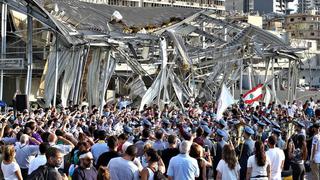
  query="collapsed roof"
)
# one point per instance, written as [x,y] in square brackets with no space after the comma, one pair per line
[191,53]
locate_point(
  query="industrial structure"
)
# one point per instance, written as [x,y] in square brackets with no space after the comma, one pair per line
[153,55]
[197,4]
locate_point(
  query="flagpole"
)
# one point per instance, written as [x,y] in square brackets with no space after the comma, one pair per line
[241,76]
[273,81]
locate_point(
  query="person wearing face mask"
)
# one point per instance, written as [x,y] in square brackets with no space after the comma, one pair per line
[49,171]
[85,170]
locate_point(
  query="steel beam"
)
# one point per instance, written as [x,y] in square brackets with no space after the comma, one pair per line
[29,54]
[34,12]
[56,72]
[4,13]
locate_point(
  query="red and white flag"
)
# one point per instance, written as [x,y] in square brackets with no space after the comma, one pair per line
[253,95]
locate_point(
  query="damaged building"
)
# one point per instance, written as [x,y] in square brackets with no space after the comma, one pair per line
[76,52]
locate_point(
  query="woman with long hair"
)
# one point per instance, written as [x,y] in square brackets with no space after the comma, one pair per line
[228,167]
[9,166]
[299,156]
[258,167]
[154,164]
[197,152]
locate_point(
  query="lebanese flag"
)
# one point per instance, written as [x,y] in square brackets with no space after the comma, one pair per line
[253,95]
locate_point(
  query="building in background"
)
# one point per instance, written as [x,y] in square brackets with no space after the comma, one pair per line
[244,6]
[275,6]
[303,26]
[262,6]
[218,5]
[306,5]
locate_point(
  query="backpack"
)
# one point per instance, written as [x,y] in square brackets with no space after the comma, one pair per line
[39,174]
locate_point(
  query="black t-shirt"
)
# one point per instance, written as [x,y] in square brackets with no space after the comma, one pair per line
[167,154]
[45,172]
[105,158]
[85,174]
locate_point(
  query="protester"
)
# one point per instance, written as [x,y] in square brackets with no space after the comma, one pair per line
[276,157]
[77,129]
[85,170]
[315,153]
[197,152]
[10,168]
[105,158]
[154,164]
[183,166]
[258,166]
[299,157]
[123,167]
[24,154]
[49,171]
[100,147]
[40,159]
[171,151]
[228,167]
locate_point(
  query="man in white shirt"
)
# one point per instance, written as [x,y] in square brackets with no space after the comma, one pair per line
[183,166]
[40,159]
[276,157]
[315,153]
[123,167]
[65,148]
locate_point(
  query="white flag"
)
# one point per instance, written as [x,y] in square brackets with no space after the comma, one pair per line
[225,100]
[267,96]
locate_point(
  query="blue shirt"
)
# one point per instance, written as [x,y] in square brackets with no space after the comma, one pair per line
[159,145]
[183,167]
[97,149]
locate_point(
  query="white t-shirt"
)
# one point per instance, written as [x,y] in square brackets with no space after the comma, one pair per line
[226,172]
[151,174]
[36,162]
[276,157]
[258,170]
[123,169]
[316,142]
[9,170]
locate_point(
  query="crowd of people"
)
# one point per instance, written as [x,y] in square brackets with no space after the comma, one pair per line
[261,142]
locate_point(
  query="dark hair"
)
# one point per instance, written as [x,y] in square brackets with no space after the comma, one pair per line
[84,143]
[43,147]
[28,131]
[229,156]
[132,150]
[146,133]
[123,136]
[154,157]
[52,152]
[44,136]
[261,157]
[32,125]
[159,134]
[199,132]
[101,134]
[172,139]
[59,132]
[112,142]
[272,140]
